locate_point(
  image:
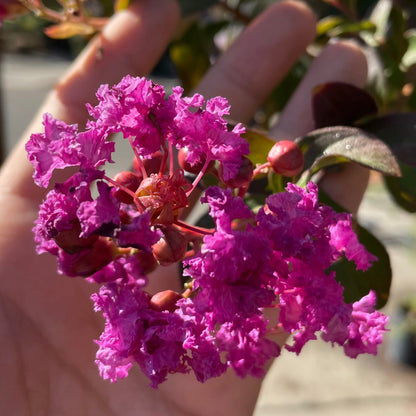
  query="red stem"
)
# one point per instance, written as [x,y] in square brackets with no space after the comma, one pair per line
[193,228]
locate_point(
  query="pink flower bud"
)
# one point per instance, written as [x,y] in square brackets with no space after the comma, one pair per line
[70,241]
[171,247]
[130,181]
[164,301]
[187,166]
[243,177]
[89,261]
[286,158]
[147,262]
[151,165]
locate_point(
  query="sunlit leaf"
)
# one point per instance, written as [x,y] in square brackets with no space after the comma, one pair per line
[409,58]
[260,144]
[338,103]
[121,5]
[67,29]
[328,23]
[346,28]
[380,17]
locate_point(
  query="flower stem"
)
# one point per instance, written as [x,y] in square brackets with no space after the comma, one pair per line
[200,175]
[193,228]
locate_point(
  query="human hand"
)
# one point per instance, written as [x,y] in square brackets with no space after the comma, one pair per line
[47,323]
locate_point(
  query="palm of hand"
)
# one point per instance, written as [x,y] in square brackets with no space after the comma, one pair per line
[47,325]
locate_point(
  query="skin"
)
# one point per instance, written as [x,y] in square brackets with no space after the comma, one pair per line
[46,320]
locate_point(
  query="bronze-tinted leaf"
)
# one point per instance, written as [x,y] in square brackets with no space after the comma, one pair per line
[398,130]
[67,29]
[338,103]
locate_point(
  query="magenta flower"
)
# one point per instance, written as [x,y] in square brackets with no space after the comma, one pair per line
[136,333]
[115,231]
[61,146]
[204,133]
[135,107]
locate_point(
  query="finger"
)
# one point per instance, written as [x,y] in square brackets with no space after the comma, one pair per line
[132,42]
[341,61]
[260,57]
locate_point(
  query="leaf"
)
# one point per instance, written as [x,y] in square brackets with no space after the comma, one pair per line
[347,28]
[67,29]
[260,145]
[357,283]
[189,7]
[332,145]
[409,58]
[398,130]
[403,190]
[120,5]
[191,54]
[328,23]
[339,103]
[380,17]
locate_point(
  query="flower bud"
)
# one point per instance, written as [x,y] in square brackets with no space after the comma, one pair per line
[147,262]
[286,158]
[243,177]
[195,169]
[130,181]
[151,165]
[164,301]
[88,261]
[171,247]
[70,241]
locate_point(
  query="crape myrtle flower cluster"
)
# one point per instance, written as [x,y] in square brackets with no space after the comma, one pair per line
[116,231]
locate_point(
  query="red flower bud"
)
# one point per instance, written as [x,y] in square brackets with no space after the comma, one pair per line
[195,169]
[71,242]
[151,165]
[89,261]
[286,158]
[147,262]
[243,177]
[130,181]
[171,248]
[164,301]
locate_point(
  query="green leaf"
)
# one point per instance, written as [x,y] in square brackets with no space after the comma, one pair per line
[398,130]
[260,145]
[120,5]
[409,58]
[189,7]
[357,283]
[328,23]
[332,145]
[339,103]
[191,54]
[403,190]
